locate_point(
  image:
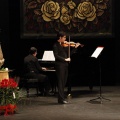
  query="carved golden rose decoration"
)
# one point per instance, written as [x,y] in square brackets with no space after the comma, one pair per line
[86,11]
[72,15]
[65,19]
[71,4]
[64,10]
[50,11]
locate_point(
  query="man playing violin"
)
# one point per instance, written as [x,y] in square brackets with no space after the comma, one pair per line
[62,59]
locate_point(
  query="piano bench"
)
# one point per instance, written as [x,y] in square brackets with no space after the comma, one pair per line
[30,83]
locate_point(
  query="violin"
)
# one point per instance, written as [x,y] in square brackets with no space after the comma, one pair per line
[71,44]
[66,44]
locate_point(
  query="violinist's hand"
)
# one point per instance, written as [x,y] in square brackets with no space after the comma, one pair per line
[43,68]
[68,59]
[78,44]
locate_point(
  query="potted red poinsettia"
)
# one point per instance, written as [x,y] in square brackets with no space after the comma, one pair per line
[8,96]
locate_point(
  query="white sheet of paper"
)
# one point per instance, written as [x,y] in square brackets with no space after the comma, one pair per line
[97,52]
[48,56]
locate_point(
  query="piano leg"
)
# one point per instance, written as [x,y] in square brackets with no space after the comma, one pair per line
[52,76]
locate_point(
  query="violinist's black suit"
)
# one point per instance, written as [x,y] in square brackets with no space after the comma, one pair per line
[61,66]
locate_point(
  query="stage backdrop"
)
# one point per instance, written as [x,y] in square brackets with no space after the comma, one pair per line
[43,18]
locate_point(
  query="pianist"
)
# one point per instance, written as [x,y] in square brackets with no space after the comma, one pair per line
[32,69]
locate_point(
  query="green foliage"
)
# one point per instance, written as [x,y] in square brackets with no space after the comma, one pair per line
[8,94]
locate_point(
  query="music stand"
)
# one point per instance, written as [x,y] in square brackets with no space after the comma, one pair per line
[95,54]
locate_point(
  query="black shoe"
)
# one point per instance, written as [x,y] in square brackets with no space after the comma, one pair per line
[63,102]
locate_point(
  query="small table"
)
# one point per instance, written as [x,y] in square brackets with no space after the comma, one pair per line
[4,75]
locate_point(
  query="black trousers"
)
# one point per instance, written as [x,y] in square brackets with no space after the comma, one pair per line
[62,74]
[43,81]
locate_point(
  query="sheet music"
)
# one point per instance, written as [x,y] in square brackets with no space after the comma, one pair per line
[48,56]
[97,52]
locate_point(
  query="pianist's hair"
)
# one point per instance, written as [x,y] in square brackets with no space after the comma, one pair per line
[60,34]
[32,50]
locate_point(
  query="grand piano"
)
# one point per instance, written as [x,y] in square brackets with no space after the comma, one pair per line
[82,69]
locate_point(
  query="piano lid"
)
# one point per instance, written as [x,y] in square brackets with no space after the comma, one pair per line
[47,56]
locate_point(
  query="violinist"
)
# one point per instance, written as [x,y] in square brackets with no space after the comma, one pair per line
[62,59]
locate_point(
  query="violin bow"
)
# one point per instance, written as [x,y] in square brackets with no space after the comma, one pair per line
[69,48]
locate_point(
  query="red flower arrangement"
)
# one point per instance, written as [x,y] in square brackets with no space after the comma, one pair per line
[8,96]
[8,83]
